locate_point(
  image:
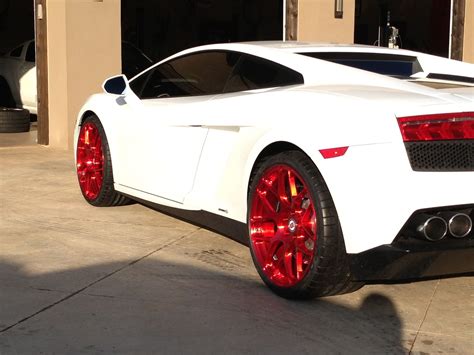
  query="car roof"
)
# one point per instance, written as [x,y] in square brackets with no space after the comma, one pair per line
[287,53]
[306,47]
[281,51]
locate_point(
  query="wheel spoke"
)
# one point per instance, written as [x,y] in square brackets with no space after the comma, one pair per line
[292,184]
[88,184]
[288,264]
[93,185]
[263,196]
[86,136]
[275,259]
[299,264]
[308,222]
[269,253]
[273,256]
[282,189]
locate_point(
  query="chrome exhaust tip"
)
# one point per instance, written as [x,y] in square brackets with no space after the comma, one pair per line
[432,228]
[459,224]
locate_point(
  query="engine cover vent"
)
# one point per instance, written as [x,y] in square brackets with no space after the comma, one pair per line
[452,155]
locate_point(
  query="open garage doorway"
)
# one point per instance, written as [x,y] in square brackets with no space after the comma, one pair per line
[160,27]
[423,25]
[17,68]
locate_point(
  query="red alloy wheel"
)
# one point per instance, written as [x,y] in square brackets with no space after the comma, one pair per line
[283,226]
[90,161]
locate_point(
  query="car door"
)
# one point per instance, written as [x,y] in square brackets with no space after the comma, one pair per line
[162,136]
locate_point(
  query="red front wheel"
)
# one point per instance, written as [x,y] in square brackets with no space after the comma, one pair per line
[94,166]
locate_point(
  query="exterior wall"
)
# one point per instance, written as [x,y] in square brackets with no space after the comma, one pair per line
[316,21]
[83,49]
[468,47]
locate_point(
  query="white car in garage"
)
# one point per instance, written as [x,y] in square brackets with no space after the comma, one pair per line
[18,78]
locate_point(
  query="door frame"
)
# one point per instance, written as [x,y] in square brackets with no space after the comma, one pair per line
[41,28]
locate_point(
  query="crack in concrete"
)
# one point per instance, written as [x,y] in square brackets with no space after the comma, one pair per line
[424,318]
[96,282]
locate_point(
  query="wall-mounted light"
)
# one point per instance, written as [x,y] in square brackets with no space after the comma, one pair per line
[338,8]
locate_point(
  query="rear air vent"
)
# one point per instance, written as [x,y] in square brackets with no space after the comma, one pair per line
[441,156]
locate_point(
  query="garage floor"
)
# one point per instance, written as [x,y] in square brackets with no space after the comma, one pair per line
[79,279]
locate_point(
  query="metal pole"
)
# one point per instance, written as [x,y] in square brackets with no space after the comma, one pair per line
[451,15]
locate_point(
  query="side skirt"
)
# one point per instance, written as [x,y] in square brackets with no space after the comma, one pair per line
[225,226]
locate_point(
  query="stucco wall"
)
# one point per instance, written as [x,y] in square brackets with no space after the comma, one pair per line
[468,48]
[316,21]
[83,49]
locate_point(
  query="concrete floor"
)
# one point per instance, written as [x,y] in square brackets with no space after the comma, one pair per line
[79,279]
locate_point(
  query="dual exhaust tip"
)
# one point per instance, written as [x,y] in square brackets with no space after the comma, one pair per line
[436,227]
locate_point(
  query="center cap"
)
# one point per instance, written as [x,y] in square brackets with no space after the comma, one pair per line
[292,225]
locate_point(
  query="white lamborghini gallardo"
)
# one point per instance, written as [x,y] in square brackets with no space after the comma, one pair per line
[336,165]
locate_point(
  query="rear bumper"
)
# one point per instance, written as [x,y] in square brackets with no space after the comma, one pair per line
[416,260]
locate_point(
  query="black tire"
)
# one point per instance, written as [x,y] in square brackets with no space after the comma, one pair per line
[6,97]
[14,120]
[107,196]
[329,272]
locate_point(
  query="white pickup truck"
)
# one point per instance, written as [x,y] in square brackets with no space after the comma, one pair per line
[18,78]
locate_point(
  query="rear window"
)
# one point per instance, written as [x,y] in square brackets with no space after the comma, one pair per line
[386,64]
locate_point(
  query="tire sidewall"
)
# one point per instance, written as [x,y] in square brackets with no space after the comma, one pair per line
[14,120]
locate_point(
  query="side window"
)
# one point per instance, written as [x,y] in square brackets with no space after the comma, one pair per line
[256,73]
[203,73]
[139,82]
[30,53]
[16,53]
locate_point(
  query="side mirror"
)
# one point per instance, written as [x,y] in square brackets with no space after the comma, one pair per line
[116,85]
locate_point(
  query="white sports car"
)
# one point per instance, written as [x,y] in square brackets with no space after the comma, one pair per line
[336,165]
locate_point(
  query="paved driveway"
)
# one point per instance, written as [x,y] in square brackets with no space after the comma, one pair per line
[79,279]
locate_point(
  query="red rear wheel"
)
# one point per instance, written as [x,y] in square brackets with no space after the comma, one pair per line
[295,236]
[282,226]
[90,161]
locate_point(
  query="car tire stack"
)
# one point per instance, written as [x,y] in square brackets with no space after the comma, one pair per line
[12,120]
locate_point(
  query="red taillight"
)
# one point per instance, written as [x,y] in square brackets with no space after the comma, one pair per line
[445,126]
